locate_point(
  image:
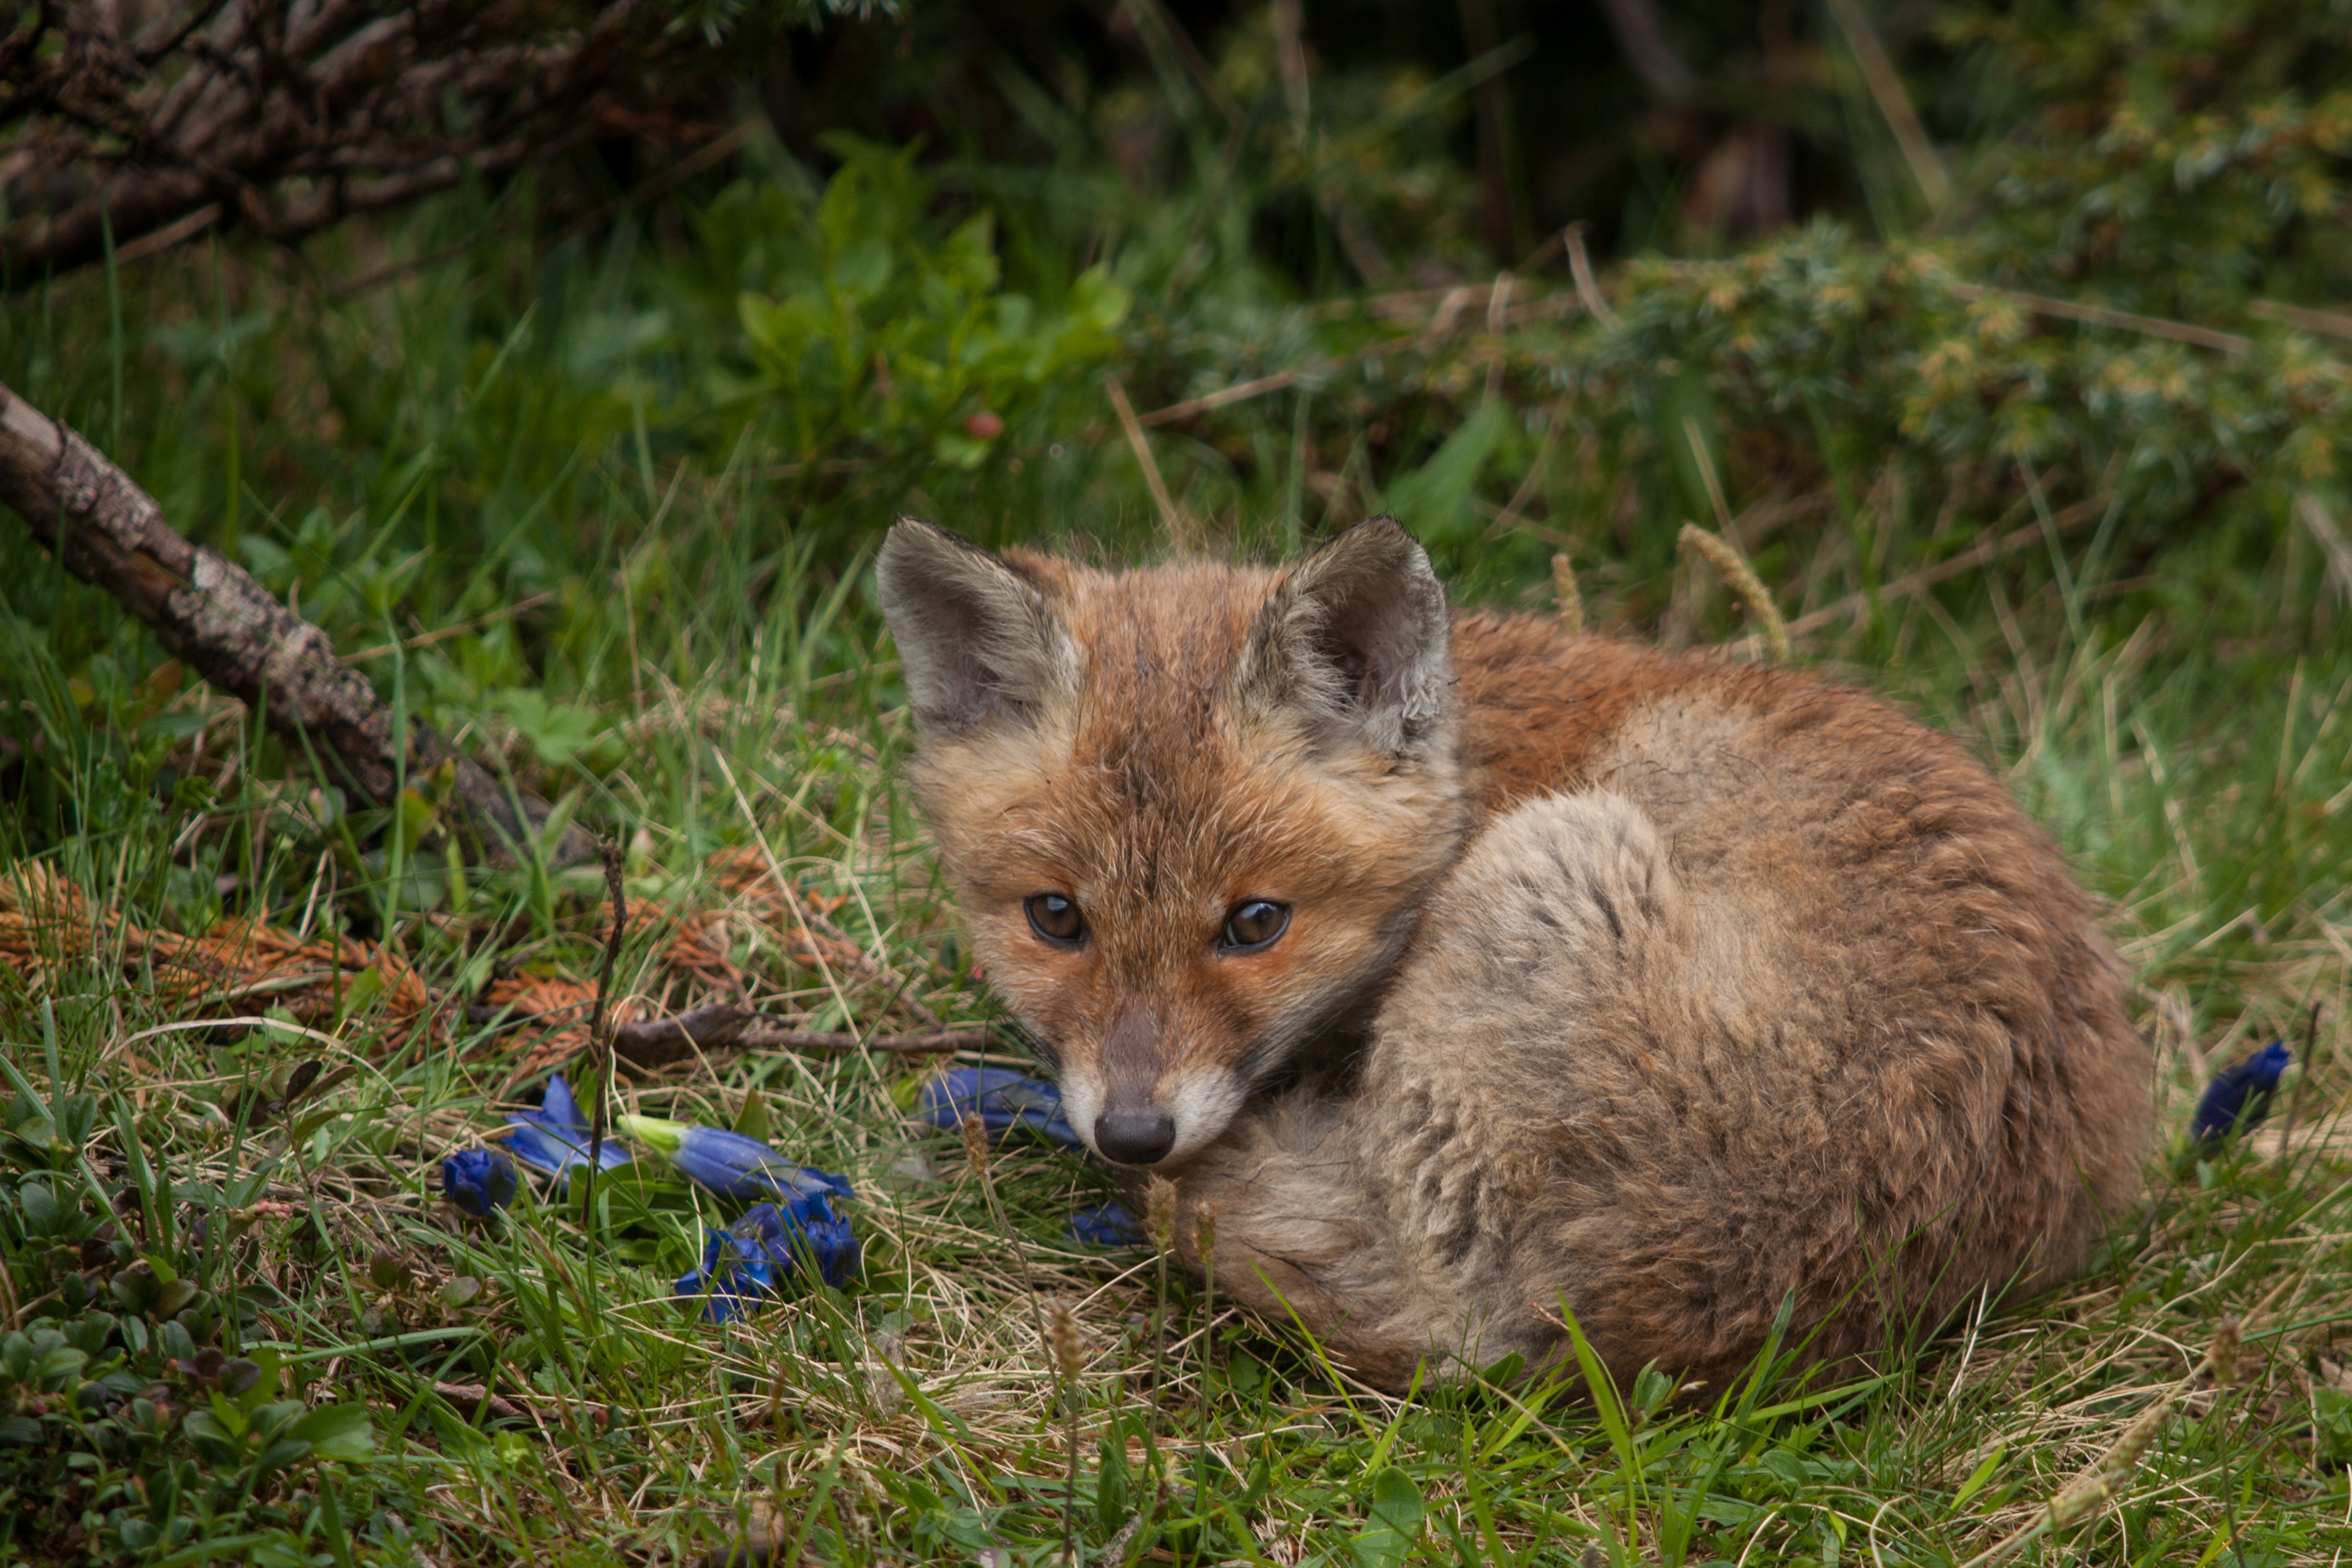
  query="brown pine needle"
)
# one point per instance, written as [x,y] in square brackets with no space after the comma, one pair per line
[1725,558]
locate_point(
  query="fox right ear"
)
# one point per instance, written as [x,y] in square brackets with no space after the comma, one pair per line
[1357,638]
[978,641]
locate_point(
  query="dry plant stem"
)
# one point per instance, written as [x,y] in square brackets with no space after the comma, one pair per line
[656,1042]
[1160,1226]
[1886,84]
[1580,264]
[2315,520]
[1725,558]
[2101,316]
[2103,1480]
[1204,1236]
[2327,323]
[1179,532]
[976,1155]
[1564,592]
[1065,1346]
[210,612]
[600,1039]
[1927,577]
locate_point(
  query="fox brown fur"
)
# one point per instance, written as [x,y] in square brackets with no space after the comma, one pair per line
[1664,988]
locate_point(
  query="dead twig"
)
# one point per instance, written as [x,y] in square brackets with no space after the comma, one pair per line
[1580,266]
[2102,316]
[655,1042]
[1180,531]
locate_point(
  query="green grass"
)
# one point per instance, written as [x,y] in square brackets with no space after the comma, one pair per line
[616,543]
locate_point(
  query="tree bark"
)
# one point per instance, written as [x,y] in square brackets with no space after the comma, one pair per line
[209,613]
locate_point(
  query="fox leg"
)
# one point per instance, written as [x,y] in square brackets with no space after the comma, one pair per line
[1391,1221]
[1299,1232]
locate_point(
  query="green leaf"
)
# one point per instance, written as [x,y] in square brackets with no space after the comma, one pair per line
[1434,500]
[751,1121]
[336,1432]
[1395,1524]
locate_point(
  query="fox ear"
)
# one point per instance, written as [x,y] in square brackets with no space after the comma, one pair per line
[1356,636]
[979,642]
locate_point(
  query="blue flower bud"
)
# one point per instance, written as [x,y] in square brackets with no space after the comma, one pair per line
[1106,1224]
[734,1165]
[556,1137]
[1002,1099]
[769,1247]
[479,1181]
[2240,1095]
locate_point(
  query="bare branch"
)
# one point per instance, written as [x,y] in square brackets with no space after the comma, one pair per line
[289,114]
[210,612]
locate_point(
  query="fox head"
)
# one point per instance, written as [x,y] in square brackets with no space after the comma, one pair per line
[1188,812]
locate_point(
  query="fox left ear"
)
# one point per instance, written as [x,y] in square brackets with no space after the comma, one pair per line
[1357,637]
[978,641]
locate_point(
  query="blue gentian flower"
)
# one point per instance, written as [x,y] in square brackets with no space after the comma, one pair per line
[758,1255]
[479,1181]
[2240,1095]
[731,1165]
[1001,1097]
[556,1137]
[1106,1224]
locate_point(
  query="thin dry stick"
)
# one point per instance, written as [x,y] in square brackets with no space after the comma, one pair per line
[1725,558]
[1565,593]
[2327,323]
[652,1042]
[1499,302]
[1579,265]
[1968,560]
[600,1040]
[2330,538]
[1180,532]
[2102,316]
[2113,1469]
[1894,102]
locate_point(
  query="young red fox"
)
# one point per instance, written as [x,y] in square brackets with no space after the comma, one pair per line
[1462,969]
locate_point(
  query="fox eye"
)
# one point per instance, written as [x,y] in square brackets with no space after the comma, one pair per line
[1253,923]
[1055,917]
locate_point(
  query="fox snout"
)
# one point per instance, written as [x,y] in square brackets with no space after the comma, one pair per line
[1142,1099]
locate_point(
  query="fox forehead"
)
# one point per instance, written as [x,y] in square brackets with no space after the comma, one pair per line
[1145,788]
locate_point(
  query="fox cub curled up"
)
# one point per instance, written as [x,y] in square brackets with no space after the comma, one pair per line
[1462,967]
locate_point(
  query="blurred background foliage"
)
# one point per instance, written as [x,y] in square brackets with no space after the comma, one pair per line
[1909,300]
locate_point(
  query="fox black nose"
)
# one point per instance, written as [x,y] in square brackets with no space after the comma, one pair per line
[1135,1137]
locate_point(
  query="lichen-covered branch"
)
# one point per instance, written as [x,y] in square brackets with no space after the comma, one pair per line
[211,614]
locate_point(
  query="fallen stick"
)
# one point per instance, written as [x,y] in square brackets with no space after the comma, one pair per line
[655,1042]
[208,612]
